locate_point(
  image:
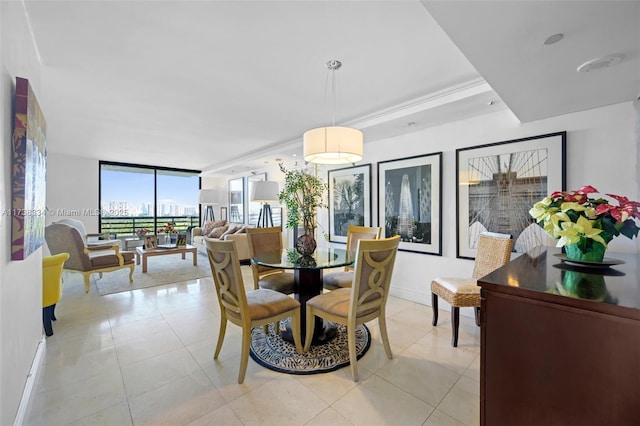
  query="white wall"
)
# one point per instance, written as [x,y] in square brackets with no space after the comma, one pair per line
[602,151]
[20,281]
[72,186]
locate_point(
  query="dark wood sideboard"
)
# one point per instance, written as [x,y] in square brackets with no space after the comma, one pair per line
[560,345]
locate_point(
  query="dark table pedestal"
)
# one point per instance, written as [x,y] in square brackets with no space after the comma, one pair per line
[308,284]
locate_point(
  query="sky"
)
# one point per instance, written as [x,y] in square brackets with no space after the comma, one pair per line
[137,188]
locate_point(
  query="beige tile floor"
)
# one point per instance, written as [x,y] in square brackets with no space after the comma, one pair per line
[146,357]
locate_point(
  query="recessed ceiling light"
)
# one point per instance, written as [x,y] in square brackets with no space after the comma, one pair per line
[553,39]
[491,103]
[599,63]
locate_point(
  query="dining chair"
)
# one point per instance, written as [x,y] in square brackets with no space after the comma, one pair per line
[494,250]
[51,288]
[355,233]
[83,258]
[263,240]
[364,301]
[246,309]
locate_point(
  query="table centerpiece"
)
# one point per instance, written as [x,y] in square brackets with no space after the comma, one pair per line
[584,224]
[302,195]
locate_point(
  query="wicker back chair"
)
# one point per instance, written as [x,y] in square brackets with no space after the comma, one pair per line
[494,250]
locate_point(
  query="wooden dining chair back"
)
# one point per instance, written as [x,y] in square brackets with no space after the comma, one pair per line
[246,309]
[355,233]
[263,240]
[494,250]
[364,301]
[52,267]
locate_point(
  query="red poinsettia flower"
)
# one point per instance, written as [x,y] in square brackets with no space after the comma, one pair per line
[609,217]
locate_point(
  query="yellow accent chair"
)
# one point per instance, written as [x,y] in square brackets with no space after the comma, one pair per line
[51,288]
[494,250]
[263,240]
[246,309]
[83,258]
[355,233]
[364,301]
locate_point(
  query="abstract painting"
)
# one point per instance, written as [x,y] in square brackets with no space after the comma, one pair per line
[28,168]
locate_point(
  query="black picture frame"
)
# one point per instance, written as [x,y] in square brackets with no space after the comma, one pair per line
[498,183]
[410,202]
[349,200]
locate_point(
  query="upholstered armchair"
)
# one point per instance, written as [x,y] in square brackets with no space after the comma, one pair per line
[98,238]
[83,258]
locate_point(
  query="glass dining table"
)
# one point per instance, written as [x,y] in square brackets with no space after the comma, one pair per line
[307,281]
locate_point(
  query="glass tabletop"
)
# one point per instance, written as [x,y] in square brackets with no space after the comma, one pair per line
[320,259]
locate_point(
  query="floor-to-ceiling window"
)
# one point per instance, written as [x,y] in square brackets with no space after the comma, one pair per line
[135,197]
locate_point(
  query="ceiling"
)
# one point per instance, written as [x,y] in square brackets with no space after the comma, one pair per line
[227,86]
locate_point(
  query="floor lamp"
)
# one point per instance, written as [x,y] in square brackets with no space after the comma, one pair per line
[265,192]
[208,198]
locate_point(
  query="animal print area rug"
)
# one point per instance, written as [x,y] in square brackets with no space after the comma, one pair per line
[275,353]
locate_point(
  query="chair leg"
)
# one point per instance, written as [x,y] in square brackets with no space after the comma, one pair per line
[223,329]
[434,306]
[87,282]
[309,329]
[295,329]
[382,323]
[244,356]
[353,358]
[477,309]
[131,273]
[455,323]
[46,321]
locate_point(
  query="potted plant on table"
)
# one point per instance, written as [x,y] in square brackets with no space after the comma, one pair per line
[584,224]
[302,195]
[141,232]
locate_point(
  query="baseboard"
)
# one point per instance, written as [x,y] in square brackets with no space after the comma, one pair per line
[32,377]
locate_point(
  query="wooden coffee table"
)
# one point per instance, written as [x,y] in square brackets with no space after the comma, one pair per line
[144,253]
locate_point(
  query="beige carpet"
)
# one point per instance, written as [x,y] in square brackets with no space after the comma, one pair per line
[160,270]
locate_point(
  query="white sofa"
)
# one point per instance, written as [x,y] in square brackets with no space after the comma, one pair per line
[242,243]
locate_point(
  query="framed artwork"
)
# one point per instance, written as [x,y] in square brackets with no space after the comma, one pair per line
[410,202]
[349,200]
[254,209]
[150,242]
[28,169]
[181,240]
[236,200]
[224,213]
[498,183]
